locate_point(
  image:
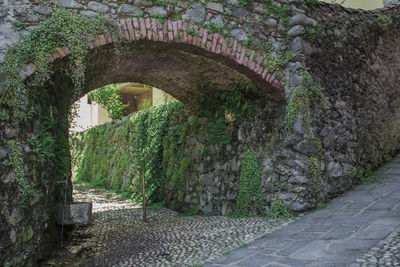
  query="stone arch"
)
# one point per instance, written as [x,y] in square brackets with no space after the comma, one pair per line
[219,60]
[288,173]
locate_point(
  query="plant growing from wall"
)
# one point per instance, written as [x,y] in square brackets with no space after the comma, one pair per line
[315,171]
[303,99]
[109,98]
[279,209]
[151,139]
[250,195]
[233,101]
[63,29]
[27,188]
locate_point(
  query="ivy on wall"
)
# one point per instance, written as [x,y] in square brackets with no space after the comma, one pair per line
[234,104]
[250,194]
[108,97]
[63,29]
[114,156]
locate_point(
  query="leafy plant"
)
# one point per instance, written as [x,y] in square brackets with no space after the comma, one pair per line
[369,177]
[250,194]
[313,33]
[280,210]
[3,115]
[63,29]
[321,206]
[191,212]
[27,188]
[303,99]
[233,101]
[109,98]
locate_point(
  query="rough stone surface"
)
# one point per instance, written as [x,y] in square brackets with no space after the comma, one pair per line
[296,30]
[98,7]
[156,11]
[239,34]
[301,19]
[43,10]
[143,3]
[355,126]
[117,235]
[73,213]
[88,13]
[130,10]
[68,4]
[343,234]
[196,12]
[215,6]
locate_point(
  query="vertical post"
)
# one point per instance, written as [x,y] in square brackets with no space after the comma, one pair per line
[144,198]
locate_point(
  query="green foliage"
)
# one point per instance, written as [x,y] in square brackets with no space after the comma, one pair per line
[150,140]
[384,21]
[250,194]
[43,143]
[156,206]
[282,11]
[303,99]
[368,177]
[313,33]
[234,102]
[109,98]
[315,171]
[191,212]
[218,132]
[3,115]
[245,3]
[321,206]
[312,2]
[162,3]
[27,188]
[280,59]
[280,210]
[219,28]
[63,29]
[192,32]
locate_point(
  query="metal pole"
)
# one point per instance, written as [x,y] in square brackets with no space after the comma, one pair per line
[144,198]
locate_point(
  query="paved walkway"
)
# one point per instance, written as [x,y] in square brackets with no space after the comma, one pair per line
[335,236]
[118,237]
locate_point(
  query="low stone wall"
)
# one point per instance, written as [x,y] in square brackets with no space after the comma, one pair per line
[108,155]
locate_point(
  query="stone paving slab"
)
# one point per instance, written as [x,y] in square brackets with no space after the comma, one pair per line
[335,236]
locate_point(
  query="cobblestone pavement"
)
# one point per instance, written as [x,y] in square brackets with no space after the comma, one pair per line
[117,236]
[338,235]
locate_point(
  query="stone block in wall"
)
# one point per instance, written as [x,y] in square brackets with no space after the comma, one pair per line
[74,213]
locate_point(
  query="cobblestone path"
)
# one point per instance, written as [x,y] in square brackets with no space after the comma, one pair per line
[347,233]
[118,237]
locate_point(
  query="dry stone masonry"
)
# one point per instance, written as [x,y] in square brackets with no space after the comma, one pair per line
[328,78]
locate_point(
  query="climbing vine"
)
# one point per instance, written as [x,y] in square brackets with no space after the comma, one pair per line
[150,140]
[108,97]
[27,188]
[303,99]
[250,195]
[63,29]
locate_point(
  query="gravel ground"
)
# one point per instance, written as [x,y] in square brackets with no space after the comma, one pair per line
[384,253]
[117,236]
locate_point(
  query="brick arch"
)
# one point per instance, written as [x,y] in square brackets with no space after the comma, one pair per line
[217,59]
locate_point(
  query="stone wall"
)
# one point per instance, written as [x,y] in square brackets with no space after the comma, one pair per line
[352,55]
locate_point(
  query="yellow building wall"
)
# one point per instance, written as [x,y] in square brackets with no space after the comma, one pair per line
[102,115]
[160,97]
[145,100]
[360,4]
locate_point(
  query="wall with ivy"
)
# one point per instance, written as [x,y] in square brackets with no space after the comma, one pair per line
[191,161]
[327,90]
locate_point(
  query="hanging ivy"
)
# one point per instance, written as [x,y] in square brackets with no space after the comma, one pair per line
[63,29]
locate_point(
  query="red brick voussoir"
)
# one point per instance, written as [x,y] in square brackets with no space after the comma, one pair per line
[169,31]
